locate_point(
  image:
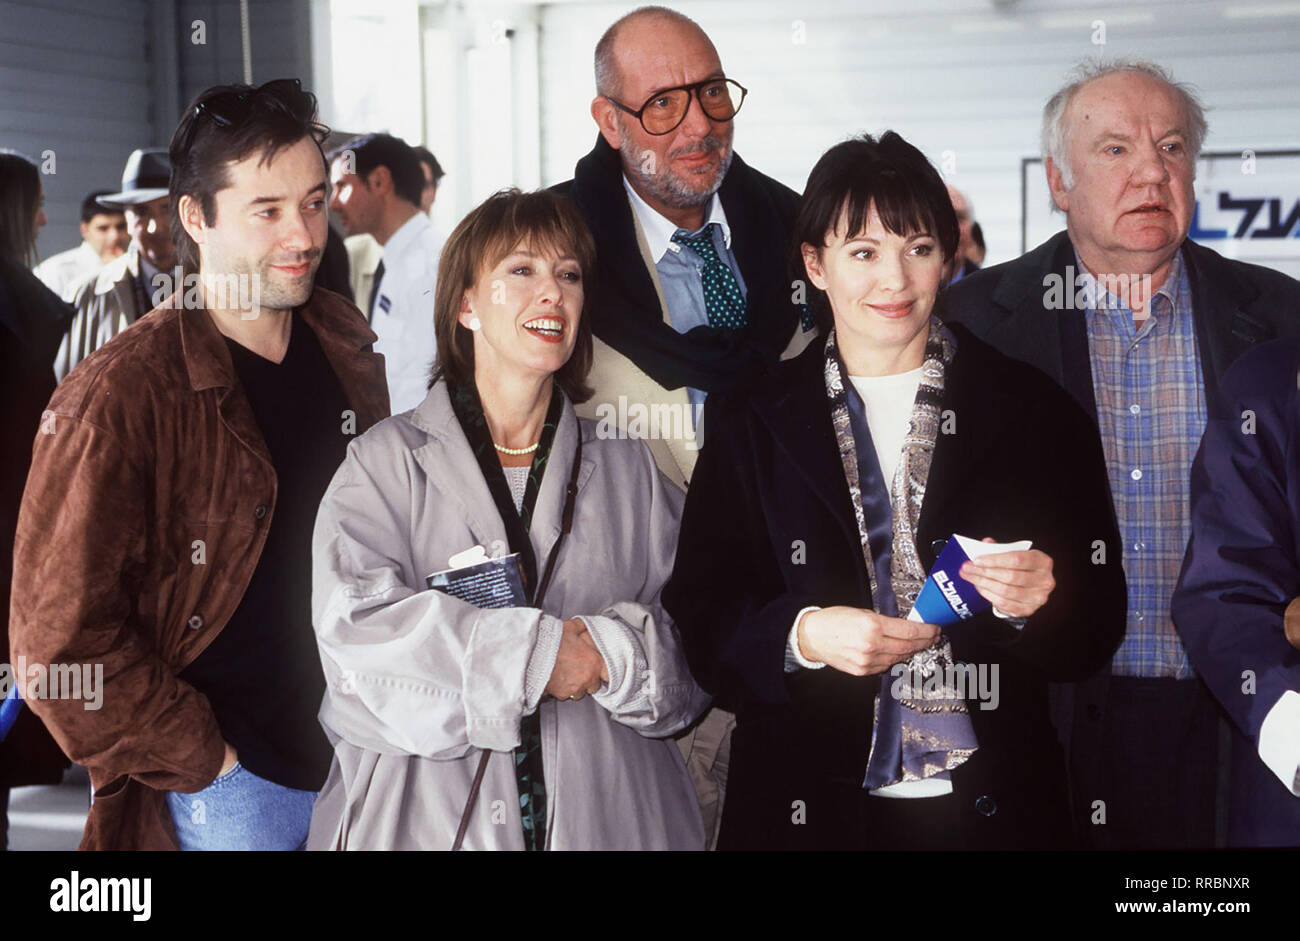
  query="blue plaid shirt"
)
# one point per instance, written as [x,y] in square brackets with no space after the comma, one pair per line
[1151,412]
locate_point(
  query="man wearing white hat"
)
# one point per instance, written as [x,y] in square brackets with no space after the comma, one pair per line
[122,291]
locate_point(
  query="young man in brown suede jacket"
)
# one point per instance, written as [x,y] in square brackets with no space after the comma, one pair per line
[166,526]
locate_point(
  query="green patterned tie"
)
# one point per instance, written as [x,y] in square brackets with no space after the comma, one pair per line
[723,301]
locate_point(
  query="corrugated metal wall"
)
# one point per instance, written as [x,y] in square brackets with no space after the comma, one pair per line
[91,81]
[964,79]
[280,34]
[74,82]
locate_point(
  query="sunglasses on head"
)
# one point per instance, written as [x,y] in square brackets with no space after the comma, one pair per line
[232,108]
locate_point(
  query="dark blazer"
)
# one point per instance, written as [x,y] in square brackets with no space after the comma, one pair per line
[1241,571]
[625,308]
[1234,305]
[769,529]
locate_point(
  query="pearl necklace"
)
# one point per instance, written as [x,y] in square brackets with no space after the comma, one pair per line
[517,451]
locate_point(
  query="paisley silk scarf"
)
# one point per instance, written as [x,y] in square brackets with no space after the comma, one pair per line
[921,726]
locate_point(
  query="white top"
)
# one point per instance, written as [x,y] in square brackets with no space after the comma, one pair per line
[888,402]
[659,230]
[403,314]
[63,273]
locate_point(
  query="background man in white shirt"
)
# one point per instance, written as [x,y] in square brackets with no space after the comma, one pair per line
[103,238]
[377,182]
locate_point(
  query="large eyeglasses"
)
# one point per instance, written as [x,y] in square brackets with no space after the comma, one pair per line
[720,99]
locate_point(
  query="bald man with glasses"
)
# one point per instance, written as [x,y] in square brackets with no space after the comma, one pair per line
[692,293]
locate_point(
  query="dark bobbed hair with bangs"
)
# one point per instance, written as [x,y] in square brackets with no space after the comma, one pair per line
[858,174]
[539,220]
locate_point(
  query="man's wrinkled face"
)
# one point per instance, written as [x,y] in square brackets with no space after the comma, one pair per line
[685,167]
[356,205]
[270,225]
[150,225]
[1131,198]
[106,234]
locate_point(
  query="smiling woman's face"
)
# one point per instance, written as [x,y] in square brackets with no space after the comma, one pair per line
[528,306]
[881,287]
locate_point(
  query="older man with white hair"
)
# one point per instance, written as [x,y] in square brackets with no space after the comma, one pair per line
[1138,323]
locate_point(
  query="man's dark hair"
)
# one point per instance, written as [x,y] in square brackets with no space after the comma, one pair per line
[852,177]
[91,208]
[977,236]
[224,125]
[426,157]
[384,150]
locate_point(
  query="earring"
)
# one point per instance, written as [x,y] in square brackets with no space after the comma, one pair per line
[475,323]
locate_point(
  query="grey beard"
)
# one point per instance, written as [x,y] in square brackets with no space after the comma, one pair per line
[665,185]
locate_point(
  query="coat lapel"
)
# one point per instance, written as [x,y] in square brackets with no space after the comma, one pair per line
[979,410]
[450,465]
[1221,304]
[598,193]
[1022,293]
[208,363]
[1052,338]
[346,340]
[548,514]
[798,417]
[772,320]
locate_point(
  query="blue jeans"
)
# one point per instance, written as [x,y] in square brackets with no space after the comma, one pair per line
[240,811]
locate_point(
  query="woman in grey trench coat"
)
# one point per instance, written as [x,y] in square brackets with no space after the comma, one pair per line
[574,702]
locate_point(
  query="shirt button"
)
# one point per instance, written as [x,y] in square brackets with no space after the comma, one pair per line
[1136,474]
[194,623]
[1137,616]
[937,546]
[986,805]
[260,511]
[1135,409]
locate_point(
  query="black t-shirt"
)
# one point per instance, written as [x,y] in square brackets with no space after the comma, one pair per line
[262,674]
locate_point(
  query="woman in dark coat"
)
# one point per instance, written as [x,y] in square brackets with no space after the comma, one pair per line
[821,500]
[32,322]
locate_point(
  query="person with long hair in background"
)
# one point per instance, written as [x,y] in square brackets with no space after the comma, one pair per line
[32,321]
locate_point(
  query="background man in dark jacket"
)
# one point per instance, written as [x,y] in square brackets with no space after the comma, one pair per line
[1138,323]
[692,293]
[1241,573]
[165,531]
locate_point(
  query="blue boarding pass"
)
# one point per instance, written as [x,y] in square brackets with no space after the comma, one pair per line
[946,597]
